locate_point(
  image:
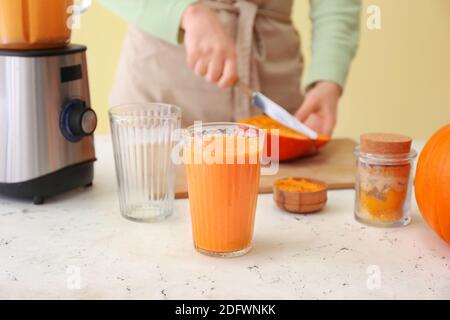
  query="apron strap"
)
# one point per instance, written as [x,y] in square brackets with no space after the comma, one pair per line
[244,46]
[247,11]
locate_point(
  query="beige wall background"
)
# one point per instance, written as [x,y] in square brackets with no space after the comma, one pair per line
[399,82]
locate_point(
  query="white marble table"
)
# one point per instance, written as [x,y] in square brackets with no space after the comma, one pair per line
[78,246]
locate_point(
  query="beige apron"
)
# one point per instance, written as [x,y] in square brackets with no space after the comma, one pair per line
[269,59]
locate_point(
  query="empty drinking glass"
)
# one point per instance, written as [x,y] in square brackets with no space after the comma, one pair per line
[143,136]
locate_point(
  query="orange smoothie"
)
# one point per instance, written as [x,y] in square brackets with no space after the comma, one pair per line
[29,24]
[223,195]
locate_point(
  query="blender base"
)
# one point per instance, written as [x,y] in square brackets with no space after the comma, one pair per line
[72,177]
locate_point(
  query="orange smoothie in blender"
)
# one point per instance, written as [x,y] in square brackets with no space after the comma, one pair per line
[34,24]
[223,172]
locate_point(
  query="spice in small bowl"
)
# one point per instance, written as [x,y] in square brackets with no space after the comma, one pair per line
[300,195]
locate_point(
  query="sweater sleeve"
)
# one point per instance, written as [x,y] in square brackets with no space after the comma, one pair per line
[160,18]
[334,40]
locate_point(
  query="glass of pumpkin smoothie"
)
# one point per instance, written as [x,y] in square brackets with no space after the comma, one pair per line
[223,162]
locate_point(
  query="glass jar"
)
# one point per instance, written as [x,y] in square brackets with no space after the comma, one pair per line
[383,187]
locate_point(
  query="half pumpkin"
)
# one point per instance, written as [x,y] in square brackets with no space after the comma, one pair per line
[292,144]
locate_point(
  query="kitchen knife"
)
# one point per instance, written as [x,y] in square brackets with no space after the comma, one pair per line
[277,112]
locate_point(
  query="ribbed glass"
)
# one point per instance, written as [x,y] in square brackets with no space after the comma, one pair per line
[143,138]
[223,164]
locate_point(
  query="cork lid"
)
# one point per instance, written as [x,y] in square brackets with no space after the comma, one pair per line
[385,143]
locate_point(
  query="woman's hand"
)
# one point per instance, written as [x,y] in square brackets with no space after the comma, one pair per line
[319,109]
[210,50]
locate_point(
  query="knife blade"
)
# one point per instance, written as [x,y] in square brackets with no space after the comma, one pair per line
[278,113]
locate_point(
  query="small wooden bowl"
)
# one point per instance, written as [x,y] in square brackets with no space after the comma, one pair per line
[301,201]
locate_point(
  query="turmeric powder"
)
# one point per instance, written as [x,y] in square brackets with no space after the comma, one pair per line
[383,190]
[383,179]
[298,185]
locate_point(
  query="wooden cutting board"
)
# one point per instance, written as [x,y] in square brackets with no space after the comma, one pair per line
[334,164]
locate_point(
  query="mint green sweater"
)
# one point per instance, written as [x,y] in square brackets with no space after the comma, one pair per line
[334,39]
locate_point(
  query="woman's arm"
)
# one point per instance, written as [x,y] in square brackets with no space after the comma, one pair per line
[160,18]
[334,39]
[334,44]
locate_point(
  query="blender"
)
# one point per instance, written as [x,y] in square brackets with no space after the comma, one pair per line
[46,119]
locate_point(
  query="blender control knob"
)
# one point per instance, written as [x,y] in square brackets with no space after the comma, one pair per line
[77,120]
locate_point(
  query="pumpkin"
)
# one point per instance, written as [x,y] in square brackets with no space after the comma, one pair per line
[432,183]
[291,143]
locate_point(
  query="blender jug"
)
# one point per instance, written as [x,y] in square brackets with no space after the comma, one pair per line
[37,24]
